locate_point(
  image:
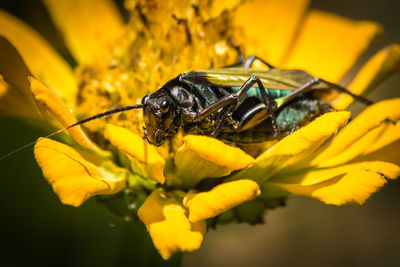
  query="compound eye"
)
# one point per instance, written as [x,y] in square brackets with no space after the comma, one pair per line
[164,107]
[144,99]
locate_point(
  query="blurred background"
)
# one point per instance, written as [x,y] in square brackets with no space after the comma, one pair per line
[37,230]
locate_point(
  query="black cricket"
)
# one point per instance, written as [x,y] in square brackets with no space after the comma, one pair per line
[235,104]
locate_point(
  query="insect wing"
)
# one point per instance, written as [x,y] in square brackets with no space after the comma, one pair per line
[272,79]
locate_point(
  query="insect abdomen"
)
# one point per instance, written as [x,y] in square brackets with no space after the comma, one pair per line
[290,117]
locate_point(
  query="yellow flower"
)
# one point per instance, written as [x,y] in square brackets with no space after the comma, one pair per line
[180,187]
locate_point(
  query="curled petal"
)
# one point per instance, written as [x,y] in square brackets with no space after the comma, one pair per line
[74,178]
[202,157]
[14,104]
[16,98]
[383,64]
[86,35]
[41,59]
[145,159]
[3,87]
[386,147]
[353,183]
[295,147]
[48,101]
[221,198]
[328,45]
[269,27]
[356,138]
[318,175]
[168,225]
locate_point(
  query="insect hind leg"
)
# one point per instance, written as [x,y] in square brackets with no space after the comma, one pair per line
[268,101]
[341,89]
[311,85]
[271,107]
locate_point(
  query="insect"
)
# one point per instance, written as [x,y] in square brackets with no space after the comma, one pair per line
[235,104]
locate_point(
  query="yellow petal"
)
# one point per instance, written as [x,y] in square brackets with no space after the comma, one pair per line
[16,98]
[355,186]
[87,26]
[204,157]
[221,198]
[386,146]
[383,64]
[328,45]
[217,7]
[168,225]
[3,87]
[359,135]
[317,175]
[145,159]
[41,59]
[73,178]
[295,147]
[13,103]
[269,27]
[48,101]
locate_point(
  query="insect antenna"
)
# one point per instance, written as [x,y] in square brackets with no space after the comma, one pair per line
[97,116]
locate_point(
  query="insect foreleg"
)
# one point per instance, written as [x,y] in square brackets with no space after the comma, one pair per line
[222,103]
[227,113]
[227,100]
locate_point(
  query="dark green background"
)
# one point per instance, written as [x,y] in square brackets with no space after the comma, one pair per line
[36,230]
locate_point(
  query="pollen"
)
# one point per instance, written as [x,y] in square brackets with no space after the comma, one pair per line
[150,53]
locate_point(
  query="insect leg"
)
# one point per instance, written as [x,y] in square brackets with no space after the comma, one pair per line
[346,91]
[232,101]
[302,89]
[222,103]
[271,107]
[226,101]
[227,113]
[250,60]
[310,85]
